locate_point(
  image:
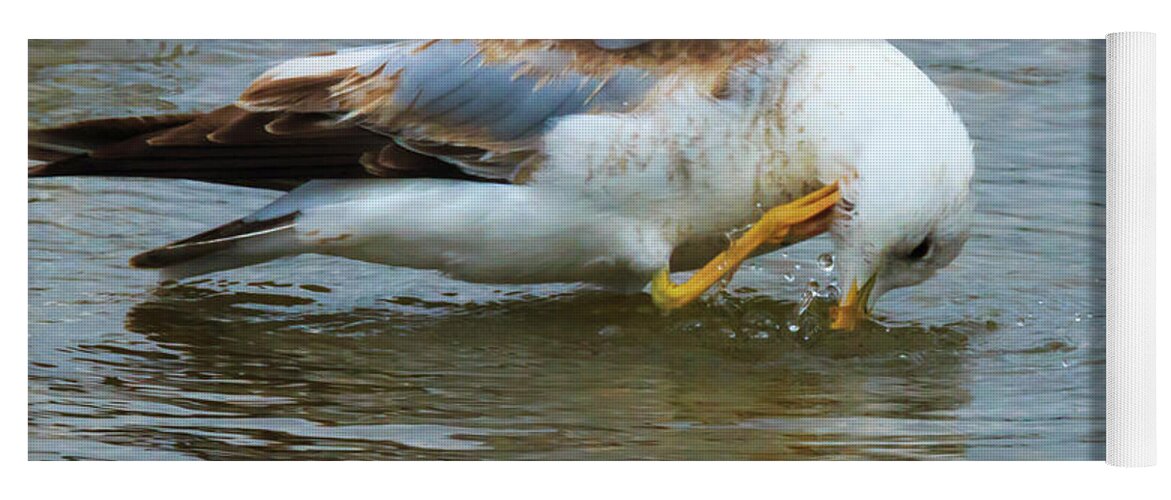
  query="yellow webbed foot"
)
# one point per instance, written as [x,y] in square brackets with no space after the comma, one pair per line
[773,227]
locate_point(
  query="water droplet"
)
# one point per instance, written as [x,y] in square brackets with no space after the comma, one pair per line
[692,327]
[806,300]
[725,280]
[784,255]
[1077,317]
[826,261]
[609,330]
[794,328]
[1065,363]
[813,285]
[788,277]
[1040,302]
[1020,322]
[761,335]
[796,267]
[833,292]
[735,234]
[754,266]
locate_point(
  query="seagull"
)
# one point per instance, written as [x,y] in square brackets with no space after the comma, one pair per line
[615,162]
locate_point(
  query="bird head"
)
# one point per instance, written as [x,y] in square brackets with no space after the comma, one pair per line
[901,157]
[905,210]
[898,238]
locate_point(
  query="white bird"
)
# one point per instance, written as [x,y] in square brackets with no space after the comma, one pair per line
[612,162]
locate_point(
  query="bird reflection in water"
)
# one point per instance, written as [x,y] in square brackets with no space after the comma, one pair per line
[574,376]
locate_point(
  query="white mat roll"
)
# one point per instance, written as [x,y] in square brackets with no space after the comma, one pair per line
[1130,249]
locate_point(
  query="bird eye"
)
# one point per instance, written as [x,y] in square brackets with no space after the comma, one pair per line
[922,250]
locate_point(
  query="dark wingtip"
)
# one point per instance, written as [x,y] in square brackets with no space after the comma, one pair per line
[87,134]
[171,255]
[65,147]
[209,242]
[38,170]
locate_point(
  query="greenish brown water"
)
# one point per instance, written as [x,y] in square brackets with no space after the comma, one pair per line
[999,357]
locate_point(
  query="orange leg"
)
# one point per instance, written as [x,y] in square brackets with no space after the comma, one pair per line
[773,227]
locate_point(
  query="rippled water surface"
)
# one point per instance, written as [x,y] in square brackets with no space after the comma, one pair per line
[999,357]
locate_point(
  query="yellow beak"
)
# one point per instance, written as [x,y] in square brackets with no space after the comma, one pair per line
[854,306]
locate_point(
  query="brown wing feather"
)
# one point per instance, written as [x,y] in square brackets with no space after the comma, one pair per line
[489,100]
[704,60]
[67,141]
[229,146]
[458,109]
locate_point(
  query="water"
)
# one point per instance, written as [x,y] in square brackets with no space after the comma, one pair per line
[999,357]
